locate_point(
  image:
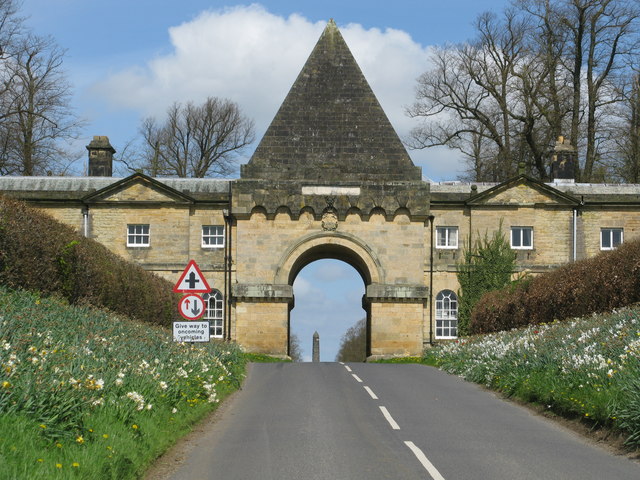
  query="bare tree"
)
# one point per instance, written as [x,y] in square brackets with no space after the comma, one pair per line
[543,69]
[195,140]
[625,132]
[485,98]
[36,121]
[295,352]
[602,33]
[353,346]
[11,27]
[35,132]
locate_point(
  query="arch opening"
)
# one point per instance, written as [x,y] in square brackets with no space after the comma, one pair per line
[334,252]
[335,246]
[328,295]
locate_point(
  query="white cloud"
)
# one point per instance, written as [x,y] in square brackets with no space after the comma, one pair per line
[243,53]
[439,163]
[333,270]
[252,56]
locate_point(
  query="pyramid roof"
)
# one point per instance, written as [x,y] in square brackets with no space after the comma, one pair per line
[331,126]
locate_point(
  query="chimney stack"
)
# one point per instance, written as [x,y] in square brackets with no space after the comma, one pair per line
[100,157]
[563,161]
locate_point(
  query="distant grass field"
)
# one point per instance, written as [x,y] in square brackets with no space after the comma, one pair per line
[585,368]
[87,394]
[262,358]
[400,360]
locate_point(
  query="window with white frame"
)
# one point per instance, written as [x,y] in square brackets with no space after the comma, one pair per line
[446,314]
[611,238]
[446,237]
[212,236]
[138,236]
[522,238]
[214,313]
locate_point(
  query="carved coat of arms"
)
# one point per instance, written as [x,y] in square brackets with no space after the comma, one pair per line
[329,221]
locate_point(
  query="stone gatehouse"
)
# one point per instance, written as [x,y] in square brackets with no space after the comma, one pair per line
[331,179]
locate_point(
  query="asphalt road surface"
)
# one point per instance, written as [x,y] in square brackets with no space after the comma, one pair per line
[357,421]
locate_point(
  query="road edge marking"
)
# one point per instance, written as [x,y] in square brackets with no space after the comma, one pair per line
[422,458]
[387,415]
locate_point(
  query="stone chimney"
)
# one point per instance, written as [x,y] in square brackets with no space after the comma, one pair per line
[100,157]
[563,161]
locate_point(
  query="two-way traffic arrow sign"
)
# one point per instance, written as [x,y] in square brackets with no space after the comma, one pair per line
[191,307]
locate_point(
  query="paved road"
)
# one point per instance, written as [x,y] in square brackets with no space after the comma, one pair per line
[381,421]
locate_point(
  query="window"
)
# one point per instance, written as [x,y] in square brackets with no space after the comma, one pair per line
[214,313]
[446,237]
[611,238]
[212,236]
[138,236]
[522,238]
[446,315]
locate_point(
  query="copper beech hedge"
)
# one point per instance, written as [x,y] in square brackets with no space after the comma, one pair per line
[41,254]
[599,284]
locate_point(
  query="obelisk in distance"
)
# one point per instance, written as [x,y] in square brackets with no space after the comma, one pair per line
[316,347]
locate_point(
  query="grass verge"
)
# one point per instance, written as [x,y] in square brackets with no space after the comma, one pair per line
[87,394]
[585,368]
[262,358]
[400,360]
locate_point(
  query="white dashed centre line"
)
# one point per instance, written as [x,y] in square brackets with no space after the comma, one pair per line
[389,418]
[356,377]
[433,471]
[348,368]
[370,392]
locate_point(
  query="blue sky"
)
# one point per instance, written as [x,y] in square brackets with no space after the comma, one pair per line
[129,59]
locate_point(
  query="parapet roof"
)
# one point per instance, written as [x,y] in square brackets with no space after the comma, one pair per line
[75,188]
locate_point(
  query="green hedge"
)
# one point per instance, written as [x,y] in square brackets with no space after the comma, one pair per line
[600,284]
[41,254]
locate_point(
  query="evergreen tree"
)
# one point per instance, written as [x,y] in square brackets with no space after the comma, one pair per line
[487,265]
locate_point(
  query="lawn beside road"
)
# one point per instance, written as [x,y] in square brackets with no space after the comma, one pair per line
[584,368]
[88,394]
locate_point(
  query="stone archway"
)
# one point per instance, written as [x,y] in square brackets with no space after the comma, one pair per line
[270,255]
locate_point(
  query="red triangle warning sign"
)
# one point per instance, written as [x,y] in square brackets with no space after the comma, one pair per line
[192,280]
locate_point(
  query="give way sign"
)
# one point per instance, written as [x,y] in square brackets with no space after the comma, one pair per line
[191,307]
[192,280]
